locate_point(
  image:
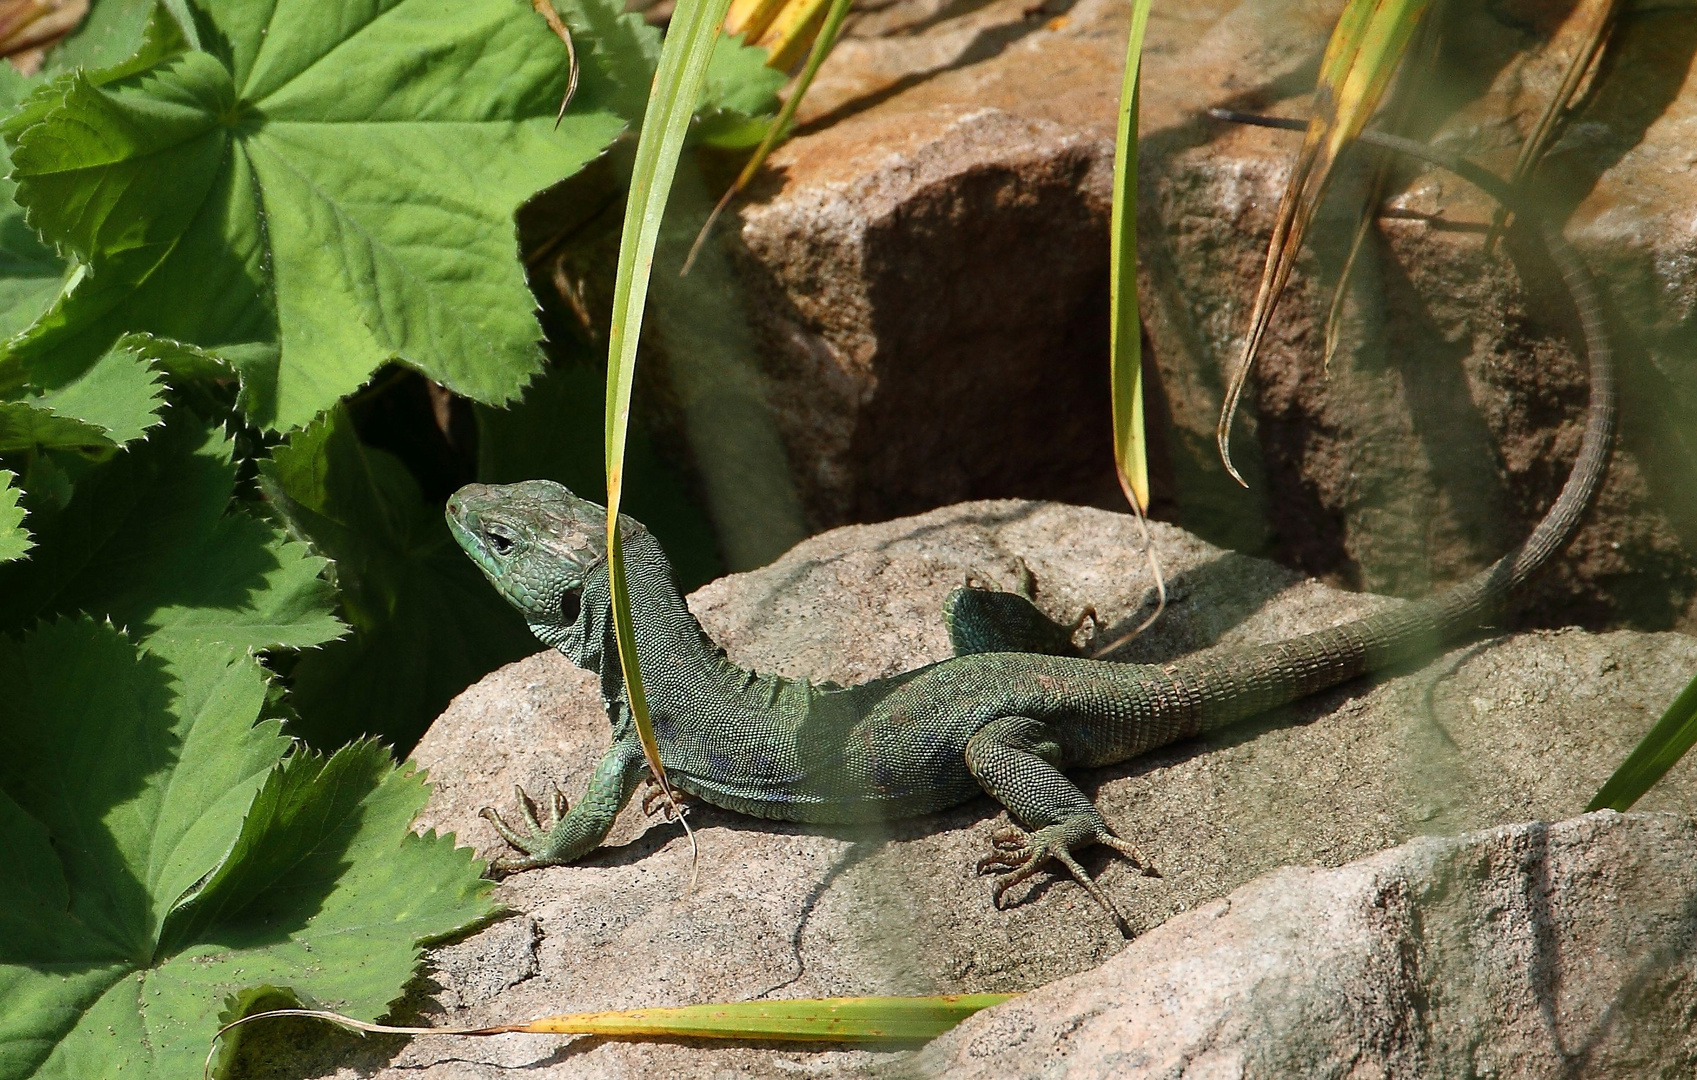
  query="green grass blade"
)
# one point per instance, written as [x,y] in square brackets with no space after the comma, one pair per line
[853,1019]
[1131,458]
[1651,759]
[677,87]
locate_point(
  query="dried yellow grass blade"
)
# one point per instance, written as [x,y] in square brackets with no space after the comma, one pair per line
[834,1020]
[822,44]
[1591,23]
[1361,56]
[791,31]
[855,1019]
[751,17]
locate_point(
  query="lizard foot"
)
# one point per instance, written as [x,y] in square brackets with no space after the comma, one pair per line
[1020,855]
[654,799]
[537,843]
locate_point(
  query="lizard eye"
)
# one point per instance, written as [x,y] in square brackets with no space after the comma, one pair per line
[500,541]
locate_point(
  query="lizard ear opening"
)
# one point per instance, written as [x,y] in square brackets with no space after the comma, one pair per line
[571,604]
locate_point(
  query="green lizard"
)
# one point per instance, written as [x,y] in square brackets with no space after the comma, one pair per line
[992,720]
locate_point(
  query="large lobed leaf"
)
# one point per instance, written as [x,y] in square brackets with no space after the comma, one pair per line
[150,541]
[426,624]
[147,890]
[309,196]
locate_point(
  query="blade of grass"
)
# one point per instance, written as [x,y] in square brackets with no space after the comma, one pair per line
[1650,760]
[833,1020]
[1125,326]
[545,8]
[1425,48]
[1131,459]
[1596,20]
[678,83]
[1361,56]
[822,44]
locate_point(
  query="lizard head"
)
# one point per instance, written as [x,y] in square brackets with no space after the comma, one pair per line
[535,541]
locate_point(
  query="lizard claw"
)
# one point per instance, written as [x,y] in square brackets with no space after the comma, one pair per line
[654,799]
[1019,856]
[536,836]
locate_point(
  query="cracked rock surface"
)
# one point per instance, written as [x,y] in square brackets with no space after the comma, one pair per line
[1515,729]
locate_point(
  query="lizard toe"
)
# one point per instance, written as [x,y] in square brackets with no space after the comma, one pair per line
[1023,855]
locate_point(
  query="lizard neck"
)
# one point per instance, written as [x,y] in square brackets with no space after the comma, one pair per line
[680,663]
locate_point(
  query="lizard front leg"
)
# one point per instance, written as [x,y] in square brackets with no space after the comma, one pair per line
[569,833]
[1017,760]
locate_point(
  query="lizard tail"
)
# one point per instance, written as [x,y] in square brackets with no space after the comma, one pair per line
[1223,689]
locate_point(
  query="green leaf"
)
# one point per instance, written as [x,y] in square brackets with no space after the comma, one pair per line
[1667,742]
[622,46]
[678,83]
[150,541]
[31,273]
[111,33]
[15,540]
[740,96]
[112,403]
[425,623]
[313,197]
[142,893]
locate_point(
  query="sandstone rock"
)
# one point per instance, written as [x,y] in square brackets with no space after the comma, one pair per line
[926,270]
[1525,951]
[1510,730]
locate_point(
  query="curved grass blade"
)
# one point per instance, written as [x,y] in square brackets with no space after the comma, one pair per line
[1131,459]
[822,45]
[677,87]
[1425,49]
[1361,56]
[1595,20]
[829,1020]
[1661,749]
[1125,326]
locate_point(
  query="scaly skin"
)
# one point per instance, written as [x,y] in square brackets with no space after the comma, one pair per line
[1003,722]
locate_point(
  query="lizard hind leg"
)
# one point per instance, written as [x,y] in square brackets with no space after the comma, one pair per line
[1017,761]
[988,620]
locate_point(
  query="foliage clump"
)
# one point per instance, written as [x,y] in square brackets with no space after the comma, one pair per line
[222,220]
